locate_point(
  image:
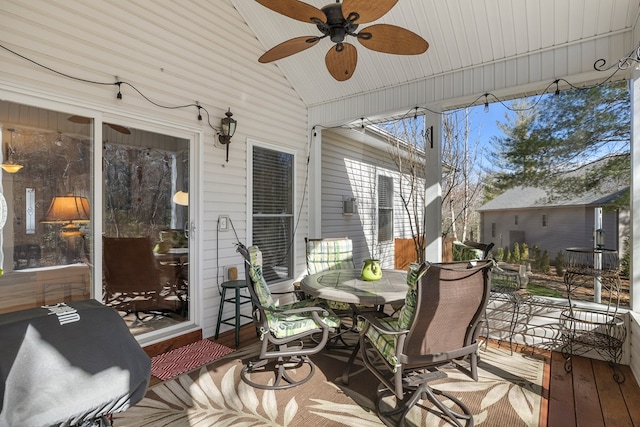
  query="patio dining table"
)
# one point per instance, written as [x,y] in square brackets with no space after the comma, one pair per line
[348,286]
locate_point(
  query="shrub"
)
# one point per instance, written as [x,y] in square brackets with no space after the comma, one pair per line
[544,262]
[507,254]
[516,253]
[525,252]
[559,264]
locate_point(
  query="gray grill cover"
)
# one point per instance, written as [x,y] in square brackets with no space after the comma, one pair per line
[67,365]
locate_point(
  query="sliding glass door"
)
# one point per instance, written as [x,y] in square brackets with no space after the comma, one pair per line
[48,206]
[145,227]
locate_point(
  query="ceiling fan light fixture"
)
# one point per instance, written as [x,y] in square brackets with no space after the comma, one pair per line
[337,34]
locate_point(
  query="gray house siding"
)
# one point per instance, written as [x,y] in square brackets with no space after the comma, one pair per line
[565,227]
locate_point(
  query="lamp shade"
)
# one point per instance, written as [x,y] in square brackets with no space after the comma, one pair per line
[181,198]
[67,209]
[11,167]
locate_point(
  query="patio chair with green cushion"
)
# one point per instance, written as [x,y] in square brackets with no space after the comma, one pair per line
[330,254]
[285,331]
[437,325]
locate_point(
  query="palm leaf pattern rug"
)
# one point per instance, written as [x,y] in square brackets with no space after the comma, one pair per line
[508,393]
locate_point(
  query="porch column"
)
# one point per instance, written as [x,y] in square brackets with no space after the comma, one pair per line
[315,183]
[433,189]
[634,89]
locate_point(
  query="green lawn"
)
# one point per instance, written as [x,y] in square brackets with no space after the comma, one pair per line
[543,291]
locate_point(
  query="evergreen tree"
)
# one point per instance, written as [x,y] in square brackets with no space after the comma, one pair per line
[544,143]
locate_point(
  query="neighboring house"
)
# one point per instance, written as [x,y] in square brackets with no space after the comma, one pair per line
[525,215]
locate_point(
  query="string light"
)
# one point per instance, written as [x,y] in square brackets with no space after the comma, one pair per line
[119,83]
[633,57]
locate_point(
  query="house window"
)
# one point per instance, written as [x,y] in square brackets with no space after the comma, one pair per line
[272,212]
[544,220]
[516,220]
[385,208]
[493,229]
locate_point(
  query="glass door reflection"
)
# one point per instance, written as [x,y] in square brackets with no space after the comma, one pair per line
[146,205]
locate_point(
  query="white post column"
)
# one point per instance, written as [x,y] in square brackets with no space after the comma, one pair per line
[315,183]
[433,192]
[634,89]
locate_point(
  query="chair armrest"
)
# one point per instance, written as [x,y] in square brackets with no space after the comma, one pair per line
[372,320]
[299,310]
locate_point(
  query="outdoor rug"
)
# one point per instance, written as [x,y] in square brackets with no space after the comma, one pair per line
[175,362]
[508,393]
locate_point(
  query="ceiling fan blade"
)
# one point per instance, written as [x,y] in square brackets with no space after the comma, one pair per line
[341,63]
[368,10]
[288,48]
[295,9]
[86,120]
[119,128]
[79,119]
[392,39]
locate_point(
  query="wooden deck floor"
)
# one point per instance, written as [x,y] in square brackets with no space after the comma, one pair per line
[586,397]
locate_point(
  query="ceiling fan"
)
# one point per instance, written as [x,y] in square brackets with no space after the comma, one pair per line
[87,120]
[337,21]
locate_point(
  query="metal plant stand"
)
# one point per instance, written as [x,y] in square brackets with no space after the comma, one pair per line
[583,329]
[507,284]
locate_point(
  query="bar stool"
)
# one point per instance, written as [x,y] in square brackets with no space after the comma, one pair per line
[238,300]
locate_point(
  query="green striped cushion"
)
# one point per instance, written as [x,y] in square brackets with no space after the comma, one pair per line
[323,255]
[283,325]
[405,317]
[386,343]
[260,285]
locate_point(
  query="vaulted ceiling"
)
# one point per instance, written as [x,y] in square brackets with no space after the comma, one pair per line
[462,35]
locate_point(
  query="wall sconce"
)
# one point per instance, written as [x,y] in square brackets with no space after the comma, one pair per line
[227,129]
[9,166]
[348,205]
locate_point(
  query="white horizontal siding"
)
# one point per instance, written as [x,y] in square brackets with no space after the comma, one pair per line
[634,350]
[351,169]
[176,54]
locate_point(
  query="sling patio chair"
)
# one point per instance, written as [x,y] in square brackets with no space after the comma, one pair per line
[285,331]
[437,325]
[132,281]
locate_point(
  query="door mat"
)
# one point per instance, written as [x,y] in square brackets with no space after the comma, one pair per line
[175,362]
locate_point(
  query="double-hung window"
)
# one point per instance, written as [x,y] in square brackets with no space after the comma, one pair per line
[272,210]
[385,208]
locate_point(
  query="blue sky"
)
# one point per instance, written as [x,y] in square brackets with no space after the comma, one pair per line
[484,127]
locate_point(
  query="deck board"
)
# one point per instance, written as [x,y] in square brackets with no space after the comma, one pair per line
[614,410]
[561,412]
[631,394]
